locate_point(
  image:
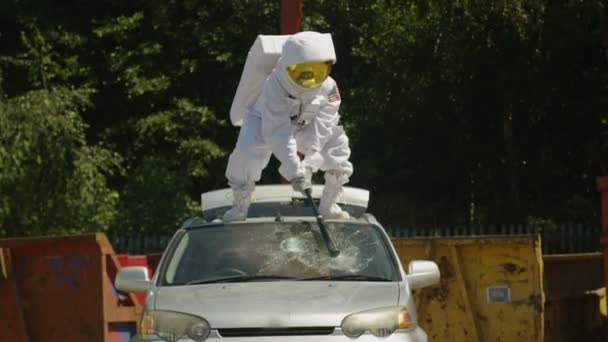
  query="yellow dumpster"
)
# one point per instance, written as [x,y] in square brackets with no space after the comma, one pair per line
[491,288]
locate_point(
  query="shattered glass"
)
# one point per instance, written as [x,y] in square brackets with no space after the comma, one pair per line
[304,246]
[287,249]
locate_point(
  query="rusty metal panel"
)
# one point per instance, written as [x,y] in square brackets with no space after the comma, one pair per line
[577,318]
[491,288]
[587,269]
[57,284]
[12,324]
[575,307]
[64,287]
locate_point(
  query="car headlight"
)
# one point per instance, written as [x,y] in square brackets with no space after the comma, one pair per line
[170,326]
[380,322]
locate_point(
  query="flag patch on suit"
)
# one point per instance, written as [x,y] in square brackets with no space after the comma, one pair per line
[334,95]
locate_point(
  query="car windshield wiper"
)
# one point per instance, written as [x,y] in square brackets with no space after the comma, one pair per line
[238,278]
[348,277]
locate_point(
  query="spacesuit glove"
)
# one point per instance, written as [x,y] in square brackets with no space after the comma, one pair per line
[301,184]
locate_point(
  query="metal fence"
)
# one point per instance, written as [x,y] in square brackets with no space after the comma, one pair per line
[139,244]
[564,239]
[561,239]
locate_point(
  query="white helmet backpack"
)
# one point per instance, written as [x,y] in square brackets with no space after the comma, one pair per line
[263,57]
[261,60]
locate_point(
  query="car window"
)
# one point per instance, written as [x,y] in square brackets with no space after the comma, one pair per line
[282,249]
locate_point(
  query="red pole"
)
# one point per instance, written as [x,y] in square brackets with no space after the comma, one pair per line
[602,186]
[291,16]
[291,20]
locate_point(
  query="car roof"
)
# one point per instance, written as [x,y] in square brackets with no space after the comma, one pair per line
[269,201]
[198,222]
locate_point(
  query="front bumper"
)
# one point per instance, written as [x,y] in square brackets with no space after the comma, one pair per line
[413,335]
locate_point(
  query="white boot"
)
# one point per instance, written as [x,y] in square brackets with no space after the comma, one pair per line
[240,206]
[328,206]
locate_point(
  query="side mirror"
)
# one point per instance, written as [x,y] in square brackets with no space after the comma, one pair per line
[422,273]
[132,279]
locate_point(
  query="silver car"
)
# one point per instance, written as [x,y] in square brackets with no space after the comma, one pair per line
[273,278]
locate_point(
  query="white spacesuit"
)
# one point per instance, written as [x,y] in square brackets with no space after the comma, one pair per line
[297,111]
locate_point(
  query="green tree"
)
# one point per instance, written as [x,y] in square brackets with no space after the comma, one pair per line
[488,112]
[173,66]
[51,181]
[483,107]
[160,72]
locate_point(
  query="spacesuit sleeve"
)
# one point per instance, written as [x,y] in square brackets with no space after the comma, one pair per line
[278,132]
[319,131]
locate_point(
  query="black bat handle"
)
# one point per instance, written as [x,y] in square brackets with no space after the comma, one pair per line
[329,240]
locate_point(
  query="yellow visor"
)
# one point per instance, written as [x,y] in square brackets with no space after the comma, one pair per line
[309,75]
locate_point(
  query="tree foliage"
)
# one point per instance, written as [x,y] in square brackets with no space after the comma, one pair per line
[462,112]
[489,112]
[51,181]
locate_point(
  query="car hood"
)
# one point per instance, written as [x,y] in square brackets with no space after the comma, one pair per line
[277,304]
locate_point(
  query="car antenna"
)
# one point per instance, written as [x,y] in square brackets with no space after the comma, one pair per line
[329,240]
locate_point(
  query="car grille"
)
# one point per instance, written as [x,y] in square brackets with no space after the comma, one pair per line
[294,331]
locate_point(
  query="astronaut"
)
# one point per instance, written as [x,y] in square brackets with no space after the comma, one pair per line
[296,112]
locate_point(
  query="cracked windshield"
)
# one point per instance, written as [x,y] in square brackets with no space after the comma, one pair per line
[279,251]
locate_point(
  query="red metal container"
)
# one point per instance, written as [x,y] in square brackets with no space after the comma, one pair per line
[60,289]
